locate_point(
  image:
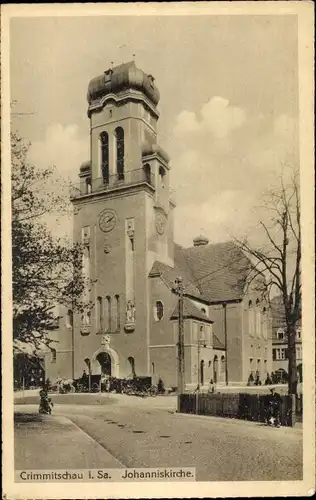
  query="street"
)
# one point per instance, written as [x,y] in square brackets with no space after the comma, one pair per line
[129,432]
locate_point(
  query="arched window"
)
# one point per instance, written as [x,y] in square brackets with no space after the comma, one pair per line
[202,338]
[131,361]
[100,319]
[88,185]
[69,318]
[159,310]
[147,173]
[258,318]
[119,134]
[88,363]
[152,367]
[54,355]
[104,139]
[162,174]
[117,312]
[215,369]
[202,363]
[108,313]
[203,310]
[222,364]
[250,318]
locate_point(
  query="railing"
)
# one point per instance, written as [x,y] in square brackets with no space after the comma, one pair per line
[121,179]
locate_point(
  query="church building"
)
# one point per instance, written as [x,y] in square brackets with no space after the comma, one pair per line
[124,211]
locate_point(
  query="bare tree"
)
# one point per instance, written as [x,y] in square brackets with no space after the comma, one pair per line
[276,266]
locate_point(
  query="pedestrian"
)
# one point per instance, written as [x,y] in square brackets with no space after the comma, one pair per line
[275,407]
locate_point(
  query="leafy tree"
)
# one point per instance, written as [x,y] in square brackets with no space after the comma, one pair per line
[276,266]
[47,271]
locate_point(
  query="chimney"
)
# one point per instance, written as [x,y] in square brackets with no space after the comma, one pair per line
[200,241]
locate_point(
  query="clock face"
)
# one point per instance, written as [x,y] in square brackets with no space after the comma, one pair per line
[107,220]
[160,223]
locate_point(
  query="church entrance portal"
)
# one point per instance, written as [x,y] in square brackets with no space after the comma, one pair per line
[104,360]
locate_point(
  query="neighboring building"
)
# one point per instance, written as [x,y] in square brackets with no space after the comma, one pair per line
[124,216]
[279,343]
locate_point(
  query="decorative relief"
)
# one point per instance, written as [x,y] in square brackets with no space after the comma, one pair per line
[130,316]
[105,340]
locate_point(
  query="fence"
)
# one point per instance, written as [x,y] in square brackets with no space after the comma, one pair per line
[242,406]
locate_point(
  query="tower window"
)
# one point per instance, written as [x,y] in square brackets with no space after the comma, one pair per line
[117,304]
[109,319]
[88,185]
[54,355]
[100,314]
[104,139]
[147,173]
[162,174]
[119,134]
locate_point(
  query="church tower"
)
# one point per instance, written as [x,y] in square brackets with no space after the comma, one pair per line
[123,215]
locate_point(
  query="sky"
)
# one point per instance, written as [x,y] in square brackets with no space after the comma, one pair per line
[228,105]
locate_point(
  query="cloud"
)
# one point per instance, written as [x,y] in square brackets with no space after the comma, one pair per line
[63,147]
[221,173]
[66,150]
[220,118]
[186,122]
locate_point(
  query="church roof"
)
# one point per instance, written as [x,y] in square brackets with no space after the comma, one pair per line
[219,270]
[210,272]
[120,78]
[190,310]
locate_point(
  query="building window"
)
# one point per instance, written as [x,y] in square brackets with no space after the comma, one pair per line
[131,361]
[159,310]
[299,352]
[280,334]
[53,355]
[250,318]
[88,185]
[119,134]
[109,312]
[202,338]
[152,367]
[279,354]
[147,173]
[258,318]
[104,140]
[162,174]
[117,312]
[298,333]
[69,318]
[203,310]
[100,325]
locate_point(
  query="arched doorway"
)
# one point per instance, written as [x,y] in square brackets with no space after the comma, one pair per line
[215,369]
[104,360]
[202,372]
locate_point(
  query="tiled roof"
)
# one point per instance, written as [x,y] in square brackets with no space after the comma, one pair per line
[219,270]
[190,310]
[217,343]
[214,273]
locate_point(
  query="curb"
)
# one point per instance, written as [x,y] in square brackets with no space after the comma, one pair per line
[233,420]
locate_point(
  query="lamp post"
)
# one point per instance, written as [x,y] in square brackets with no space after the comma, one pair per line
[180,353]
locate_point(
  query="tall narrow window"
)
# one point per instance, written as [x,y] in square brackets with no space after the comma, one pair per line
[162,174]
[109,318]
[258,318]
[152,367]
[88,185]
[104,139]
[250,317]
[117,312]
[147,173]
[131,361]
[119,133]
[100,325]
[54,355]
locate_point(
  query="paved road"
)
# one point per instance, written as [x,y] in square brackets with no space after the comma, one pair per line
[221,449]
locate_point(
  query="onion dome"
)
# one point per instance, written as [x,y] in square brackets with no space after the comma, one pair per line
[120,78]
[150,149]
[200,241]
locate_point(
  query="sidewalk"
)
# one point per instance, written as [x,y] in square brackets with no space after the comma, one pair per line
[54,442]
